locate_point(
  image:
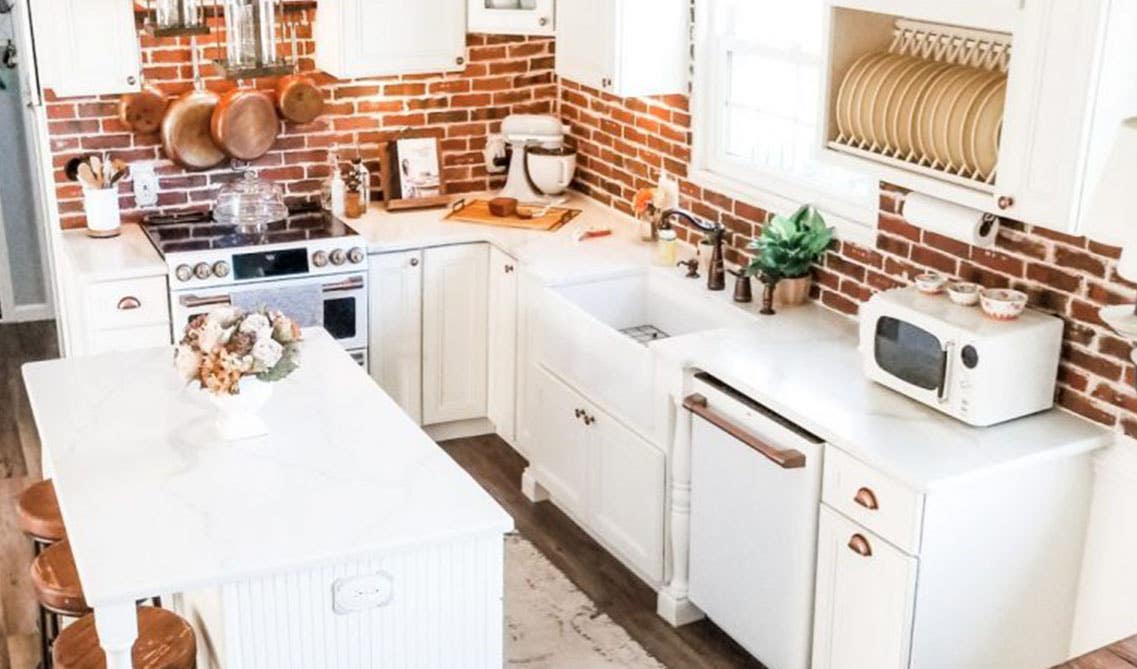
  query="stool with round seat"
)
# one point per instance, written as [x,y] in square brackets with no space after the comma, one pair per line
[165,641]
[56,581]
[37,511]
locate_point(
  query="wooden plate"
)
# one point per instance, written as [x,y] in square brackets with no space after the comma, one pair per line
[845,93]
[962,119]
[985,137]
[908,107]
[943,131]
[884,109]
[881,82]
[925,110]
[860,97]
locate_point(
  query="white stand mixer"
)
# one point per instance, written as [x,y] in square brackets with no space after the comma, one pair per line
[520,132]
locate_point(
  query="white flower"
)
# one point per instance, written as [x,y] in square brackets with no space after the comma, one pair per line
[187,362]
[224,316]
[257,323]
[285,329]
[266,353]
[212,335]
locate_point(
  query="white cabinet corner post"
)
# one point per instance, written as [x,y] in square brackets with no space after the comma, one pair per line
[396,328]
[673,602]
[502,382]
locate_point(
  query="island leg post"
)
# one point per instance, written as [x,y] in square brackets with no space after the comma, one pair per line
[672,603]
[117,626]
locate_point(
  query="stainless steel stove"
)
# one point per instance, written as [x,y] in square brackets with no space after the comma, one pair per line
[309,265]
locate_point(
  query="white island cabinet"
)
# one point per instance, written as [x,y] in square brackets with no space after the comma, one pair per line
[328,538]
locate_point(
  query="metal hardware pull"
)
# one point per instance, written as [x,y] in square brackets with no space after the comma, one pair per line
[195,302]
[129,303]
[414,262]
[860,545]
[353,283]
[786,459]
[589,420]
[509,269]
[867,499]
[579,413]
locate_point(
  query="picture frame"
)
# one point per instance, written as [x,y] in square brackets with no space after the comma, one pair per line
[412,171]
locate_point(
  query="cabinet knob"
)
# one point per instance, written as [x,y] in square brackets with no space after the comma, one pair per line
[866,498]
[129,303]
[543,21]
[460,60]
[579,413]
[509,269]
[414,262]
[860,545]
[606,82]
[1006,202]
[132,80]
[589,420]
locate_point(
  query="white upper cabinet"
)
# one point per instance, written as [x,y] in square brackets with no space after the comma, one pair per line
[1028,146]
[368,38]
[627,48]
[86,47]
[512,17]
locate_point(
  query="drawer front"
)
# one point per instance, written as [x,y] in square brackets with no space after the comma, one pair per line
[128,339]
[127,304]
[880,503]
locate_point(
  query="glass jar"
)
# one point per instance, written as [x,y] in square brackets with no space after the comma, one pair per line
[250,27]
[178,14]
[250,203]
[668,247]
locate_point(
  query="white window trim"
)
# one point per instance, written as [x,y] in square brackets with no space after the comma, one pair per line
[782,196]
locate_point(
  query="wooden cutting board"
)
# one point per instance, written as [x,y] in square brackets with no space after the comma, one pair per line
[478,211]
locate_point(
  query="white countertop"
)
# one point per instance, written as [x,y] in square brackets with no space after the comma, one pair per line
[154,502]
[128,256]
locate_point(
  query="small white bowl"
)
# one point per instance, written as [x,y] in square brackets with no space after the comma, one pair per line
[1003,304]
[931,283]
[963,293]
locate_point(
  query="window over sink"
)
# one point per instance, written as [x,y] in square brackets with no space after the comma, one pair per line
[757,101]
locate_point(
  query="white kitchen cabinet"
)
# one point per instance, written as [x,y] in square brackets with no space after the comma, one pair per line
[600,472]
[864,603]
[120,315]
[86,47]
[368,38]
[502,400]
[455,323]
[1068,89]
[395,345]
[627,48]
[511,17]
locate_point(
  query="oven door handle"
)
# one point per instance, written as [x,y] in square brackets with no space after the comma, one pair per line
[196,301]
[354,283]
[786,459]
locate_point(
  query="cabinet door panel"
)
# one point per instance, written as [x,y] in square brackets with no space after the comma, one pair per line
[559,446]
[365,38]
[627,476]
[520,17]
[864,604]
[503,344]
[86,47]
[455,323]
[585,34]
[396,328]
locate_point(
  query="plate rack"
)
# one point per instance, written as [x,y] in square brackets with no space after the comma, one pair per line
[935,43]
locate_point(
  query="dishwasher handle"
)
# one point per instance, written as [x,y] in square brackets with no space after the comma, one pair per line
[784,458]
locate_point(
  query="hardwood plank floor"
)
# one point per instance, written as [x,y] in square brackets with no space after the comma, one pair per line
[497,467]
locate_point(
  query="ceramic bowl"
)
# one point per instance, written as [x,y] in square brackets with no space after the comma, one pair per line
[1002,304]
[930,283]
[963,293]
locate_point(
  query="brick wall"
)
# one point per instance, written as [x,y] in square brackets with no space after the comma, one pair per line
[504,75]
[624,143]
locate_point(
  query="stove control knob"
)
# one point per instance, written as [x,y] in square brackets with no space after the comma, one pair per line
[202,270]
[320,258]
[338,257]
[220,269]
[184,272]
[356,255]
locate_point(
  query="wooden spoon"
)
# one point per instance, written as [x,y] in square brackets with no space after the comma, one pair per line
[87,177]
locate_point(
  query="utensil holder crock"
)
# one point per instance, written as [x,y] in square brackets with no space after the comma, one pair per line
[104,218]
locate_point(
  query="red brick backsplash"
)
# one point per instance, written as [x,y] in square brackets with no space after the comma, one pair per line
[504,75]
[624,143]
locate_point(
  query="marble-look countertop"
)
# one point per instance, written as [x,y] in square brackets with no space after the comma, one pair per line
[128,256]
[155,502]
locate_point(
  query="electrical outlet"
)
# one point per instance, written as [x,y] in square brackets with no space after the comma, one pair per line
[359,593]
[145,184]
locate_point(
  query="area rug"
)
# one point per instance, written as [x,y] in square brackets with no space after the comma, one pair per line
[551,624]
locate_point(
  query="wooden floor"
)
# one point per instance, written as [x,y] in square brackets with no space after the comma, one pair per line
[615,590]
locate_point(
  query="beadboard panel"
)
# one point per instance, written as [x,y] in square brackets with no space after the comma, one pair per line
[446,611]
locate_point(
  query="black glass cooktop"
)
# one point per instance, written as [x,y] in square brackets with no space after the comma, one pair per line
[197,231]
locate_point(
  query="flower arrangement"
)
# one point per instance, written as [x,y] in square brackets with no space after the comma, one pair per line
[226,345]
[648,205]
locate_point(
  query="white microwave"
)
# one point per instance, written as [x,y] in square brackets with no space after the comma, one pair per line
[959,361]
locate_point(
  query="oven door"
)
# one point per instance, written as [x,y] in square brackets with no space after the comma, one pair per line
[907,357]
[343,311]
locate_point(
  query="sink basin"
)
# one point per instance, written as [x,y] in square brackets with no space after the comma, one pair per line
[596,335]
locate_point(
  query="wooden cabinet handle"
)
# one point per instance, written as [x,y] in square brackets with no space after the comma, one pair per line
[129,303]
[867,499]
[860,545]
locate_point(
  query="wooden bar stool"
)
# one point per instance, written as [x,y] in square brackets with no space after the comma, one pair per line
[38,514]
[165,641]
[57,587]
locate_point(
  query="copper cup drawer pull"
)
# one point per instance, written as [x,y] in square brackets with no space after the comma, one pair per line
[784,458]
[866,498]
[860,545]
[129,303]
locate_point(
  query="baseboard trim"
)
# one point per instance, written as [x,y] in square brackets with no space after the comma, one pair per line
[461,429]
[26,313]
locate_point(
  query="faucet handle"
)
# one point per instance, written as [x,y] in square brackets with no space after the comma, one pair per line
[692,266]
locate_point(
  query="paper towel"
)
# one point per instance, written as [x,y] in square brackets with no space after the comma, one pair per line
[951,220]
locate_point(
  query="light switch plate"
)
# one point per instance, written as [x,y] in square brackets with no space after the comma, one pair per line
[360,593]
[145,184]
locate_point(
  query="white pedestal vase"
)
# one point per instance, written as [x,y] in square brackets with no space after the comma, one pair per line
[237,414]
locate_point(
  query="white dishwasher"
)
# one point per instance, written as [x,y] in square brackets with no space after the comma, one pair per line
[755,491]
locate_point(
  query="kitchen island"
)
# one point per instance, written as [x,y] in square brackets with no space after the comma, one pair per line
[344,538]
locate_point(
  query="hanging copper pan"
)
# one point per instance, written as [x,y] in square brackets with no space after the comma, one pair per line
[142,112]
[297,96]
[186,136]
[245,124]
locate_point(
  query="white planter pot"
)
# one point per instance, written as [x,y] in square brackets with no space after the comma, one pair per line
[237,414]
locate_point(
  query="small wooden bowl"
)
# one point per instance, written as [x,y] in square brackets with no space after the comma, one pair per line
[503,207]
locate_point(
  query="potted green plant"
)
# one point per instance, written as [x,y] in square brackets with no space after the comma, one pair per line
[786,251]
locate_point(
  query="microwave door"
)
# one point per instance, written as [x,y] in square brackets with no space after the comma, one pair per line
[912,355]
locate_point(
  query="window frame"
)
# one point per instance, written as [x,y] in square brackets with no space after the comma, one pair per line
[714,170]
